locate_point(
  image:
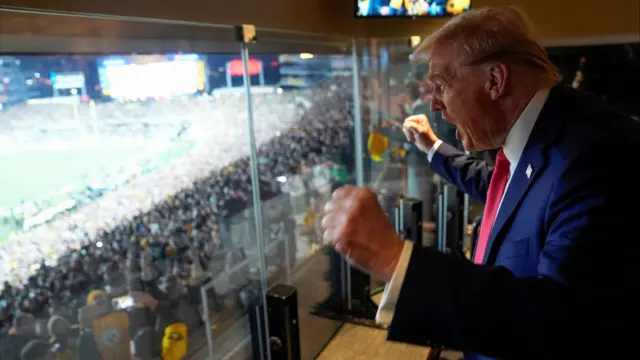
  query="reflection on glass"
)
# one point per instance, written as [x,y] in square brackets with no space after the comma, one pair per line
[302,125]
[394,89]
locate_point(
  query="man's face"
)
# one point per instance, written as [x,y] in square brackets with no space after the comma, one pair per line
[463,95]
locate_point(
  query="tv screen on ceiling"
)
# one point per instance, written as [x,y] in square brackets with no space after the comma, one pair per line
[411,8]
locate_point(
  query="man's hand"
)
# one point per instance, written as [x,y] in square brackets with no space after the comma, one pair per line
[418,131]
[357,227]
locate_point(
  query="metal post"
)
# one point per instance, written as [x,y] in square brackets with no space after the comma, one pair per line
[228,75]
[385,78]
[287,256]
[207,319]
[255,188]
[206,77]
[465,218]
[401,219]
[445,217]
[441,217]
[359,150]
[357,114]
[375,80]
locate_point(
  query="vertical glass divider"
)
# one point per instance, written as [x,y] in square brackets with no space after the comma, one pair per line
[255,190]
[357,115]
[359,154]
[207,318]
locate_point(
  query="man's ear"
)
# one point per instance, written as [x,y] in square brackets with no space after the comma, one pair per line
[498,75]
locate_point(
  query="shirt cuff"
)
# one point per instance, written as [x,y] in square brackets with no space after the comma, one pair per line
[392,290]
[433,150]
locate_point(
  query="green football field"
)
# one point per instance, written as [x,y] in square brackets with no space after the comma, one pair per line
[42,174]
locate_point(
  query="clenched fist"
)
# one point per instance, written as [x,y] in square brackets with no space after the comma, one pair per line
[418,131]
[358,228]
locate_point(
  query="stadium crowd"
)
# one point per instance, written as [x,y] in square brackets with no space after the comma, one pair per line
[160,236]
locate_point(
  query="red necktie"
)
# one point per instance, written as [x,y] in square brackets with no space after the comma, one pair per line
[497,185]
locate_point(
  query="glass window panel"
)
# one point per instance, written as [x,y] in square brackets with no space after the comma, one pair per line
[394,89]
[303,118]
[122,174]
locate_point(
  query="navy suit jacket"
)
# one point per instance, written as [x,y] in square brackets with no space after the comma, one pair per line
[559,278]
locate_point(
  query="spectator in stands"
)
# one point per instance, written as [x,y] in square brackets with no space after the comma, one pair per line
[37,350]
[110,328]
[175,341]
[20,335]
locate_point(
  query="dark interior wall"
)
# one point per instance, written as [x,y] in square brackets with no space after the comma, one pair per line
[611,72]
[554,18]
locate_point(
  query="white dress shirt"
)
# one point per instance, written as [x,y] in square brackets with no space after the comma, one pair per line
[513,147]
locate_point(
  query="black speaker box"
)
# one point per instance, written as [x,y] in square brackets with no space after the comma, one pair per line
[284,330]
[408,220]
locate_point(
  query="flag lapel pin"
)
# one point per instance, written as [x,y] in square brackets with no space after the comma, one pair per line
[529,171]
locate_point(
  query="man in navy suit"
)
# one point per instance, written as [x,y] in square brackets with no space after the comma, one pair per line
[554,274]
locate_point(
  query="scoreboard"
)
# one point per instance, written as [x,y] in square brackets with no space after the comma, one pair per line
[138,77]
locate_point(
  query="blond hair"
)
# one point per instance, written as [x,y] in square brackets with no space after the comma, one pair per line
[491,34]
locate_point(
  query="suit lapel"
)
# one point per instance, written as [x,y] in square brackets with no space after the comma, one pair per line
[531,164]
